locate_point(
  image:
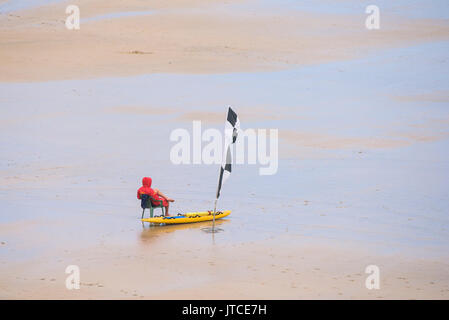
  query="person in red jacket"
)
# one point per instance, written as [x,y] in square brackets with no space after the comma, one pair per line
[156,194]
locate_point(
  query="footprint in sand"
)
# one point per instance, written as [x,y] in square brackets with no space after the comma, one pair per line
[138,52]
[89,284]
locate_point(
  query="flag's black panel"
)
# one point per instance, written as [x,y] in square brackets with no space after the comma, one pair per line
[234,135]
[232,117]
[228,167]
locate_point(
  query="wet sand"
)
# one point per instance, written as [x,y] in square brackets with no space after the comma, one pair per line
[363,151]
[278,268]
[190,37]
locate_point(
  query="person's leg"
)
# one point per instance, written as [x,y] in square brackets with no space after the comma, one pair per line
[166,210]
[159,193]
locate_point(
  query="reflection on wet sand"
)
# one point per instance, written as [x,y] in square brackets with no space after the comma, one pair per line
[153,232]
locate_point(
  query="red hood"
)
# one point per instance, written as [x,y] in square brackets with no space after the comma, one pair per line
[146,182]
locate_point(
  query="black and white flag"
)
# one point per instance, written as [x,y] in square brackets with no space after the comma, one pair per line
[232,128]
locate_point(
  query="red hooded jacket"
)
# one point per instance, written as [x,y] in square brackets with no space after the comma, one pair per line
[146,189]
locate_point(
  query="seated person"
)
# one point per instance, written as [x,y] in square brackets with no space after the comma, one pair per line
[154,193]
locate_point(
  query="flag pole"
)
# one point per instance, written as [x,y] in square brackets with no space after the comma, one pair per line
[215,209]
[216,198]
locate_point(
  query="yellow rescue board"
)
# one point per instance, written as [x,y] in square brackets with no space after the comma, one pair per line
[189,217]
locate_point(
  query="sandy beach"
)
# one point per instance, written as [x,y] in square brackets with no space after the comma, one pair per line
[363,124]
[189,37]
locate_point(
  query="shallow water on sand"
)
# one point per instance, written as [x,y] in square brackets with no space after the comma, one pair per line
[115,15]
[16,5]
[73,154]
[433,9]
